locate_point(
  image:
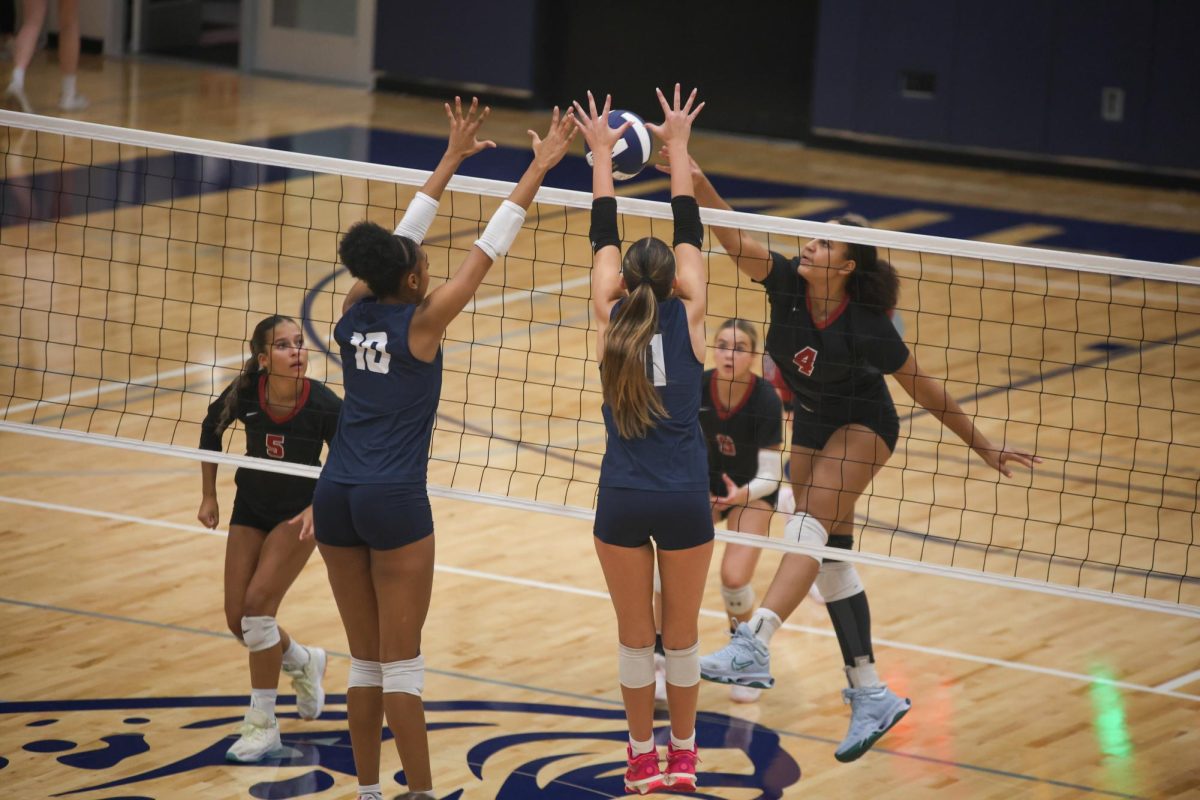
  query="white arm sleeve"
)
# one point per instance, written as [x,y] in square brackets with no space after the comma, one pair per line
[503,228]
[418,217]
[770,469]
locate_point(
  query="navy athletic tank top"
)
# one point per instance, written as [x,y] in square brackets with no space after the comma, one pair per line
[672,456]
[391,398]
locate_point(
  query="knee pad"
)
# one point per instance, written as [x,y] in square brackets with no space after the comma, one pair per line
[404,677]
[806,529]
[738,601]
[365,674]
[635,666]
[683,666]
[838,580]
[259,633]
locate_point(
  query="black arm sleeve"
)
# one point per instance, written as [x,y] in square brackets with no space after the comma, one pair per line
[688,228]
[604,224]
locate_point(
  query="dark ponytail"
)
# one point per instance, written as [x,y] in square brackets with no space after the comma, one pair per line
[874,281]
[260,340]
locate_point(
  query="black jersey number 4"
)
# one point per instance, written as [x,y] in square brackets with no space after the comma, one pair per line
[805,360]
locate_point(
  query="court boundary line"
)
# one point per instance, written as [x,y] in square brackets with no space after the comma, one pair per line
[596,594]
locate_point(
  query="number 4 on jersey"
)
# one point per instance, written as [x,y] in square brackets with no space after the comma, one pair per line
[805,360]
[370,351]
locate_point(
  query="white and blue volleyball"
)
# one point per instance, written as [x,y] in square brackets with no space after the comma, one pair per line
[632,152]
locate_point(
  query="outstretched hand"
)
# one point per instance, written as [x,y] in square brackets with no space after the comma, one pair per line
[464,129]
[594,124]
[999,459]
[677,119]
[549,151]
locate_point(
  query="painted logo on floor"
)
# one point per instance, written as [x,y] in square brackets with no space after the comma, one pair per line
[582,749]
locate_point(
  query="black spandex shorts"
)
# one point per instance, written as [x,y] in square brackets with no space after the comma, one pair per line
[631,517]
[813,423]
[265,520]
[382,516]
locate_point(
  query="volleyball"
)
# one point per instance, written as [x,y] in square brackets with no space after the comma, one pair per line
[632,151]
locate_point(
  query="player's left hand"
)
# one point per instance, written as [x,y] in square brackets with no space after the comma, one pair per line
[999,459]
[734,495]
[305,520]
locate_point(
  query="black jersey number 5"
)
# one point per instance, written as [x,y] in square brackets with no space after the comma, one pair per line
[656,364]
[370,351]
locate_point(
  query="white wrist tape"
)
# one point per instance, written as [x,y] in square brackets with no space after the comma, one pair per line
[770,470]
[503,228]
[418,217]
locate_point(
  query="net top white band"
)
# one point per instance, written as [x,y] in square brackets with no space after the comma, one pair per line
[986,251]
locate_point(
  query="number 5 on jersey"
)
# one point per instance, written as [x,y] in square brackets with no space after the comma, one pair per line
[370,351]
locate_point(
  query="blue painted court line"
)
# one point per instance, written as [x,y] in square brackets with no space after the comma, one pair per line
[17,707]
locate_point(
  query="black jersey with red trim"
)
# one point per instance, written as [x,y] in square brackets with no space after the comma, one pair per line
[735,435]
[295,438]
[845,356]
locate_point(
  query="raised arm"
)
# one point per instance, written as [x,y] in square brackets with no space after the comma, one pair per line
[931,394]
[690,273]
[604,235]
[443,304]
[750,255]
[463,143]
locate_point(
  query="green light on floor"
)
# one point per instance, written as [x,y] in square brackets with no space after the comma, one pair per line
[1109,712]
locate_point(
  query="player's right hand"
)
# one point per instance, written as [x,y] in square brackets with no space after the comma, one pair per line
[210,513]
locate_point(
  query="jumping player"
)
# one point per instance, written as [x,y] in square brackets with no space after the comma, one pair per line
[649,308]
[374,524]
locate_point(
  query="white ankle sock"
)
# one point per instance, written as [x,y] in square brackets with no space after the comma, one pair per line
[68,86]
[863,673]
[764,623]
[18,78]
[264,700]
[641,747]
[296,656]
[684,744]
[372,792]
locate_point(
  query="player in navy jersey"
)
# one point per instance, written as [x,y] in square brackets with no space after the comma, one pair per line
[373,520]
[832,340]
[286,417]
[649,309]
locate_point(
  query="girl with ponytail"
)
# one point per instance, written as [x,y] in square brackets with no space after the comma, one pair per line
[286,416]
[650,342]
[832,339]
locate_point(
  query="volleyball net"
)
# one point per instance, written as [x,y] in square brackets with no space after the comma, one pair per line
[134,265]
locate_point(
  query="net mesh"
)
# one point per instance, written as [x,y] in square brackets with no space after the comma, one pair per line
[130,277]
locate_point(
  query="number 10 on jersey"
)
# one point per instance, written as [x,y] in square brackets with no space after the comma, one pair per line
[370,351]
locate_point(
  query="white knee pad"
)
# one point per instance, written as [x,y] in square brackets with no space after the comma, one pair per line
[404,677]
[804,528]
[838,580]
[683,666]
[738,601]
[635,666]
[365,674]
[259,633]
